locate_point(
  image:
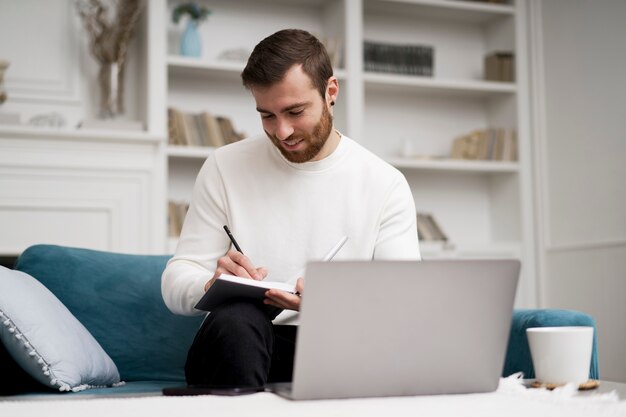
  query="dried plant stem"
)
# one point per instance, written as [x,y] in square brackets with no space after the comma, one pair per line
[109,42]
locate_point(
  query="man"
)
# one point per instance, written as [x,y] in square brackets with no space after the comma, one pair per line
[287,200]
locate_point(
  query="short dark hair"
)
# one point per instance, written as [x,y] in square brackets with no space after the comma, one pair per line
[275,55]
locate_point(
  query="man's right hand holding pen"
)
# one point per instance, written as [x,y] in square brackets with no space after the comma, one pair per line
[237,264]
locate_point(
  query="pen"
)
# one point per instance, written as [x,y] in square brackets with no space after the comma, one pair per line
[331,254]
[232,239]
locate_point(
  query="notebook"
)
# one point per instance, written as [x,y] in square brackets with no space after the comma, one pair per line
[228,287]
[385,328]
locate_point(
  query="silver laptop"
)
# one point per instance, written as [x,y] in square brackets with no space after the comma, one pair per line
[384,328]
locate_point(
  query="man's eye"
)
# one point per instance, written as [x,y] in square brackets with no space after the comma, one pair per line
[267,116]
[296,112]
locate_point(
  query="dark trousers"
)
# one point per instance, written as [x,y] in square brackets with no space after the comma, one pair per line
[238,346]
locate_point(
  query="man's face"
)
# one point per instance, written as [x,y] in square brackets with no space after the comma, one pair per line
[295,117]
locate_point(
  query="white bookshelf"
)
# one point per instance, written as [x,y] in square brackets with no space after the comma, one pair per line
[483,206]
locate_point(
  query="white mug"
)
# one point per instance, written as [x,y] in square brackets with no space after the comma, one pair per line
[561,354]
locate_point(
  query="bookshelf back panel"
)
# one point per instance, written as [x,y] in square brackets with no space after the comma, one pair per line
[229,28]
[505,200]
[180,185]
[472,209]
[428,123]
[460,203]
[458,47]
[502,111]
[500,35]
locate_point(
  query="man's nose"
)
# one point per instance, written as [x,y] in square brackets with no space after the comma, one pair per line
[284,129]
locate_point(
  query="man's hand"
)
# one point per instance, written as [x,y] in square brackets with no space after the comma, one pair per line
[237,264]
[283,299]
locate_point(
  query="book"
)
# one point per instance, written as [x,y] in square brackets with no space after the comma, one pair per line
[405,59]
[228,287]
[176,212]
[495,144]
[215,137]
[200,129]
[499,66]
[428,229]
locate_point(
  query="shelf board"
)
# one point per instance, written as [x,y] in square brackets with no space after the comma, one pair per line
[463,11]
[493,250]
[413,83]
[34,132]
[455,165]
[192,152]
[186,66]
[182,65]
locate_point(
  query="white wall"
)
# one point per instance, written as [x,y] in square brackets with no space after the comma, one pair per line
[580,144]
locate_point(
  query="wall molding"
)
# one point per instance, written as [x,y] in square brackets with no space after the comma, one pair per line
[64,88]
[48,206]
[538,137]
[62,177]
[585,246]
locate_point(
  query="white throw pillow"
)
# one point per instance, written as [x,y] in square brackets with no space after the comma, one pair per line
[46,340]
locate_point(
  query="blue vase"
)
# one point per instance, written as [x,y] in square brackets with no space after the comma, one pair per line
[190,43]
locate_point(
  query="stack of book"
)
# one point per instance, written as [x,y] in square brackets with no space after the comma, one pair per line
[500,66]
[201,129]
[497,144]
[428,229]
[176,212]
[398,59]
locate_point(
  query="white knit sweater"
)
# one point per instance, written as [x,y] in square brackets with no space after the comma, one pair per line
[284,214]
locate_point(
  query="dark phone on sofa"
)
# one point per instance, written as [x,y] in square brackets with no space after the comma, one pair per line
[208,390]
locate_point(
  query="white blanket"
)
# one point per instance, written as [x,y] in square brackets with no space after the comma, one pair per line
[511,399]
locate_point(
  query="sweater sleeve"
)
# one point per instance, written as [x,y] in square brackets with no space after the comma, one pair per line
[202,242]
[397,236]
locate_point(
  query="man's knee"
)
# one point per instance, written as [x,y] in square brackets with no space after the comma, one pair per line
[240,319]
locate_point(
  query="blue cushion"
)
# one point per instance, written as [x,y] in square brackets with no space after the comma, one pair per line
[518,353]
[130,389]
[46,340]
[117,297]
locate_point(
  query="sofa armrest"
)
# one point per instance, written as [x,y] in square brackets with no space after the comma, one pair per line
[518,357]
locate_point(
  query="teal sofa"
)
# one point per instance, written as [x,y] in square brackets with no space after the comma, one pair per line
[117,297]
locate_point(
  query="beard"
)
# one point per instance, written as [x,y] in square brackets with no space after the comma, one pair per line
[315,140]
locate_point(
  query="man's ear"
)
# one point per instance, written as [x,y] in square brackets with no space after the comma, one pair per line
[332,89]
